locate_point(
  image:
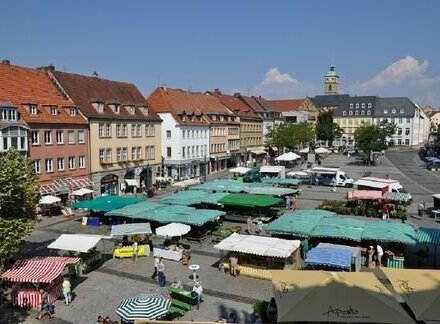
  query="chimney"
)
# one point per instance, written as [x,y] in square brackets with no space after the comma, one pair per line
[6,62]
[237,94]
[95,74]
[49,68]
[217,91]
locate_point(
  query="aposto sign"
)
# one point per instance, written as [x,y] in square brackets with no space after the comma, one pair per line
[334,313]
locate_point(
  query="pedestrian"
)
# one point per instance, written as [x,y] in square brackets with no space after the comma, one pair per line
[348,155]
[333,183]
[135,250]
[232,318]
[161,272]
[150,244]
[379,252]
[287,202]
[233,261]
[198,290]
[305,248]
[292,203]
[272,311]
[45,306]
[67,290]
[156,263]
[385,212]
[371,263]
[176,283]
[249,224]
[125,240]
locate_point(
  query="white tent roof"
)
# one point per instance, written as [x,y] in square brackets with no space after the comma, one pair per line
[371,184]
[131,229]
[289,156]
[241,170]
[258,245]
[186,183]
[305,150]
[48,200]
[173,229]
[271,169]
[82,192]
[76,242]
[298,174]
[322,150]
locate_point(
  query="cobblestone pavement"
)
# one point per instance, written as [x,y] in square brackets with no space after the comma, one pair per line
[100,291]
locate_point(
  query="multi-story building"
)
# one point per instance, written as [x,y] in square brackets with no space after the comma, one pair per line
[251,128]
[185,134]
[13,129]
[125,142]
[58,133]
[296,110]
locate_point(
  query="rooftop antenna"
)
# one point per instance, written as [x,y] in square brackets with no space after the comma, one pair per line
[158,80]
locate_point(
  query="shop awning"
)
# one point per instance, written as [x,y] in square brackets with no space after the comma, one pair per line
[397,196]
[38,269]
[428,235]
[389,231]
[76,242]
[258,152]
[271,191]
[364,195]
[258,245]
[64,185]
[131,229]
[106,203]
[329,257]
[132,182]
[82,192]
[249,200]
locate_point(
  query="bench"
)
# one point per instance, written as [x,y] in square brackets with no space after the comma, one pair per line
[176,311]
[182,305]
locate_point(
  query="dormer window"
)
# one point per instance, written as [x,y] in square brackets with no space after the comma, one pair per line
[351,105]
[144,110]
[72,112]
[33,109]
[363,105]
[356,112]
[193,118]
[214,117]
[401,110]
[393,111]
[131,110]
[350,113]
[357,105]
[117,109]
[362,112]
[385,111]
[100,107]
[53,111]
[344,113]
[222,118]
[370,105]
[368,112]
[183,117]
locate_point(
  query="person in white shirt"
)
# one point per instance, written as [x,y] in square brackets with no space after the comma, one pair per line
[135,250]
[198,289]
[379,251]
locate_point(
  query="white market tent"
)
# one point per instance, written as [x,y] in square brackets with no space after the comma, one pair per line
[76,242]
[241,170]
[305,150]
[131,229]
[258,245]
[82,192]
[48,200]
[289,156]
[173,229]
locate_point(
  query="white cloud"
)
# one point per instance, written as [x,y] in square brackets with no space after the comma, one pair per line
[274,76]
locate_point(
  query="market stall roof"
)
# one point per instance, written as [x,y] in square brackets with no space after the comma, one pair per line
[371,184]
[330,257]
[436,196]
[224,185]
[106,203]
[324,296]
[38,269]
[289,156]
[193,197]
[49,200]
[249,200]
[338,227]
[186,183]
[282,182]
[299,223]
[76,242]
[82,192]
[428,235]
[420,289]
[322,150]
[173,229]
[271,169]
[271,191]
[398,196]
[135,209]
[131,229]
[305,150]
[258,245]
[389,231]
[355,251]
[241,170]
[364,195]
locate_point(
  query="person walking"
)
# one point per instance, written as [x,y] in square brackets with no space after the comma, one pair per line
[198,290]
[45,306]
[161,272]
[371,263]
[67,290]
[135,250]
[156,263]
[249,224]
[379,251]
[233,261]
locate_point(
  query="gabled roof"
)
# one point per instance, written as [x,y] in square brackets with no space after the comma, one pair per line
[251,102]
[287,104]
[20,86]
[397,103]
[209,104]
[265,104]
[237,106]
[84,90]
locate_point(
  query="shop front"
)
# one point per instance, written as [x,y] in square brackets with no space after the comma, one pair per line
[110,184]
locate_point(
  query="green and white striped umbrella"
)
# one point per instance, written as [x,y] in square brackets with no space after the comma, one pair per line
[144,306]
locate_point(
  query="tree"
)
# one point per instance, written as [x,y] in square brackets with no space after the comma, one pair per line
[326,129]
[370,138]
[19,197]
[290,135]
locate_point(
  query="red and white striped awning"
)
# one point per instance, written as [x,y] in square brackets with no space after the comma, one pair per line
[38,269]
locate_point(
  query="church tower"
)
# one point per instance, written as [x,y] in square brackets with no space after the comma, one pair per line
[331,82]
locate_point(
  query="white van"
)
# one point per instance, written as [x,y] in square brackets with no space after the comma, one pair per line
[324,176]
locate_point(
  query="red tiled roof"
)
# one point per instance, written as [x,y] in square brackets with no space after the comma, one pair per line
[87,89]
[237,106]
[251,102]
[20,85]
[264,103]
[286,105]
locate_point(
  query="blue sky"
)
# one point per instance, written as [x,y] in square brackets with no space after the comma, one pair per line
[277,49]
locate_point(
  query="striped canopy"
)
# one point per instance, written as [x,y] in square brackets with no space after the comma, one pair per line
[428,235]
[143,306]
[38,269]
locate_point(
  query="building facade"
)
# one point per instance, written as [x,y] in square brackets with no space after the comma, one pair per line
[296,110]
[124,139]
[14,132]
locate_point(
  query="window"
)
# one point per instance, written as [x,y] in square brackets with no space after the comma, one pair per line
[133,153]
[168,134]
[400,120]
[108,155]
[35,137]
[344,113]
[149,152]
[82,161]
[100,107]
[4,114]
[385,111]
[132,110]
[183,134]
[81,137]
[60,164]
[149,130]
[47,137]
[108,132]
[117,109]
[60,137]
[37,166]
[407,141]
[393,111]
[401,110]
[118,130]
[13,114]
[133,130]
[407,131]
[168,152]
[362,112]
[408,120]
[368,112]
[370,105]
[139,153]
[399,131]
[33,109]
[363,105]
[214,117]
[183,152]
[105,156]
[101,128]
[351,105]
[49,165]
[124,154]
[356,112]
[357,105]
[118,154]
[72,112]
[124,130]
[101,155]
[71,137]
[350,112]
[72,162]
[192,134]
[53,111]
[138,130]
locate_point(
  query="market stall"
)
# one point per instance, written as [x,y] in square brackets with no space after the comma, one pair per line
[356,258]
[326,257]
[31,275]
[122,250]
[194,198]
[258,255]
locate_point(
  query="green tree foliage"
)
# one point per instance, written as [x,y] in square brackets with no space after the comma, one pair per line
[19,197]
[326,129]
[370,138]
[290,135]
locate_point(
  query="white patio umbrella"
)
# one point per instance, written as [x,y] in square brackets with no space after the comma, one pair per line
[82,192]
[322,150]
[289,156]
[305,150]
[173,229]
[48,200]
[241,170]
